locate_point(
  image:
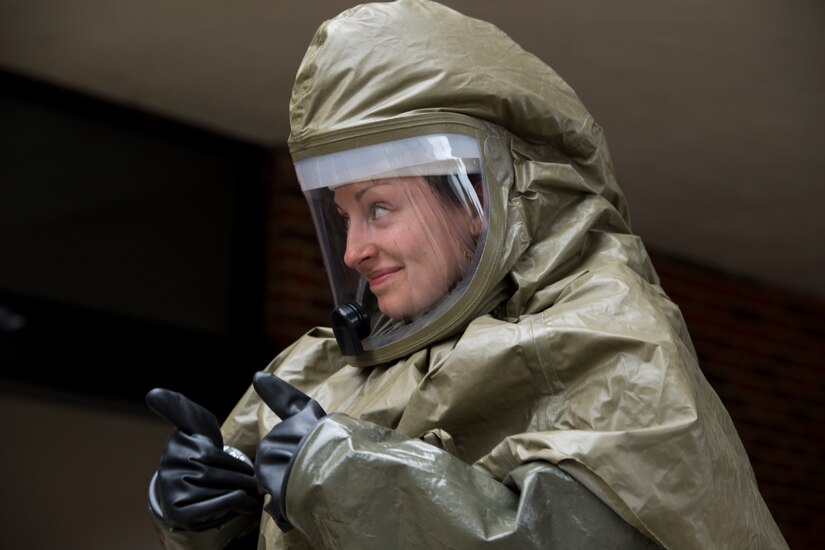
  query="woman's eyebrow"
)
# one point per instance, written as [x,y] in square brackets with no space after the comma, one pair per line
[372,185]
[360,194]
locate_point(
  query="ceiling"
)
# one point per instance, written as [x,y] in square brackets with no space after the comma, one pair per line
[713,110]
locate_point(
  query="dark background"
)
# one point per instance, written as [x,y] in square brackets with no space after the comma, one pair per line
[132,250]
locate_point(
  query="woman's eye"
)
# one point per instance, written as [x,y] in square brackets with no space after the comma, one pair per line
[379,211]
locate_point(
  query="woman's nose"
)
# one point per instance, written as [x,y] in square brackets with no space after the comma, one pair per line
[359,247]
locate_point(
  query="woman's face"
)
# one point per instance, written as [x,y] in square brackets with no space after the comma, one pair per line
[404,241]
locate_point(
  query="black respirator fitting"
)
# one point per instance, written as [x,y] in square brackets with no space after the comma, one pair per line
[350,323]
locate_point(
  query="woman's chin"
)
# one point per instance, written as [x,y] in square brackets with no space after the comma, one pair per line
[394,309]
[395,314]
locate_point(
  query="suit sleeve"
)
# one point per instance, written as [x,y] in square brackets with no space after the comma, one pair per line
[358,485]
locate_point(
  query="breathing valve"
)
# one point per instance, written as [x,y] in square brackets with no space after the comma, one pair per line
[350,323]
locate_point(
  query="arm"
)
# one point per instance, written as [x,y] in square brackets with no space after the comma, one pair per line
[362,485]
[351,483]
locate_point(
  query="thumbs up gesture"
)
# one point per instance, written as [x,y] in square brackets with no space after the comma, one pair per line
[277,450]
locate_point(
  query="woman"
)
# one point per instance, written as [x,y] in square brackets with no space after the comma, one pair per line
[409,247]
[399,223]
[505,370]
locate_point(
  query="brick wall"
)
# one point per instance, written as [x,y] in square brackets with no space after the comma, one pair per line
[761,348]
[298,295]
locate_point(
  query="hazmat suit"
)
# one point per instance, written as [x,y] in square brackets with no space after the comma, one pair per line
[553,399]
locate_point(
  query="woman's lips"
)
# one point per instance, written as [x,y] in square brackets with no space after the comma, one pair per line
[378,278]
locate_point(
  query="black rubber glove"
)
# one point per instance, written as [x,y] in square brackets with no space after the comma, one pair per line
[198,484]
[276,452]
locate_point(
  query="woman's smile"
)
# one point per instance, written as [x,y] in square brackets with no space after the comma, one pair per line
[378,278]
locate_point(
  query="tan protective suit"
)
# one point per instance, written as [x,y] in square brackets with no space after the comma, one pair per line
[569,368]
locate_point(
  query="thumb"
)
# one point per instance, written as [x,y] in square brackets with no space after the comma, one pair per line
[284,399]
[185,414]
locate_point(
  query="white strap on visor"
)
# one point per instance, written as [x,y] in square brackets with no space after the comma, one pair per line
[437,154]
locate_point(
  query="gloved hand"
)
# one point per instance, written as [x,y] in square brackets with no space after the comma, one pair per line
[276,452]
[198,484]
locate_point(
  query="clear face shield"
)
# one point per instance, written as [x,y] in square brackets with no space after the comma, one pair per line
[401,225]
